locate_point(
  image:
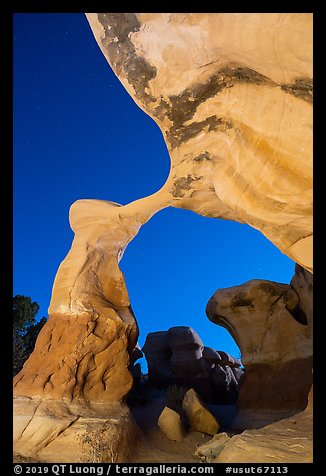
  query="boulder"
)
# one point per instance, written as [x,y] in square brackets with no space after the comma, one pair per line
[171,425]
[225,384]
[211,357]
[178,357]
[302,283]
[187,361]
[186,353]
[198,415]
[238,373]
[232,384]
[157,353]
[229,360]
[220,383]
[210,450]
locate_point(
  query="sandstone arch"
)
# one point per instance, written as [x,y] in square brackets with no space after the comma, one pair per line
[230,111]
[237,118]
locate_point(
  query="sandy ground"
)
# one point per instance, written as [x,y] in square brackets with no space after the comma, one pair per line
[154,447]
[22,459]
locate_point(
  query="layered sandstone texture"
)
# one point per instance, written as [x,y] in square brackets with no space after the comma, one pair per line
[57,432]
[209,451]
[232,94]
[272,325]
[230,111]
[286,441]
[82,353]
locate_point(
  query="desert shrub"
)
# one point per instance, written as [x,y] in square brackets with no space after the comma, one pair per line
[97,447]
[110,441]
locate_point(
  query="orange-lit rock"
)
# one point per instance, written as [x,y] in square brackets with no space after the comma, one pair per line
[232,94]
[82,353]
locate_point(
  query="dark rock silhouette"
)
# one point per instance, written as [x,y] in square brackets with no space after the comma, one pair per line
[178,357]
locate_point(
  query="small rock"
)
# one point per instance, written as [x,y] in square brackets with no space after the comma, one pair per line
[198,416]
[170,424]
[210,450]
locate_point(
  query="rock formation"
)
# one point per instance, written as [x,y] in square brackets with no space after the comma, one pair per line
[53,431]
[136,354]
[209,451]
[188,413]
[171,425]
[198,416]
[178,357]
[157,353]
[230,111]
[272,325]
[82,354]
[286,441]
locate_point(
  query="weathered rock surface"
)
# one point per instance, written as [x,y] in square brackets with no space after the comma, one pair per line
[302,282]
[186,352]
[270,325]
[178,357]
[82,352]
[210,450]
[230,111]
[198,416]
[157,352]
[227,359]
[285,441]
[53,431]
[263,97]
[171,425]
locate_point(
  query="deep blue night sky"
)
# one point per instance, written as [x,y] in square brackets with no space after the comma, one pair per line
[78,134]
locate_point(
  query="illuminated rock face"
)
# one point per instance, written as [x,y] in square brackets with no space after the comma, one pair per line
[54,431]
[75,379]
[232,94]
[236,117]
[82,352]
[286,441]
[272,325]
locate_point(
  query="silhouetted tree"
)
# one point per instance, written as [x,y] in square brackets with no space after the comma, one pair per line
[25,329]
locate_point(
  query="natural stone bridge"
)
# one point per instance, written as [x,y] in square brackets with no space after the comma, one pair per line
[232,94]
